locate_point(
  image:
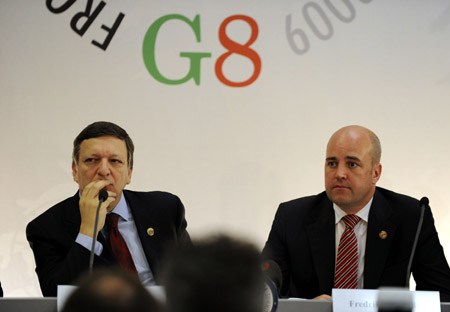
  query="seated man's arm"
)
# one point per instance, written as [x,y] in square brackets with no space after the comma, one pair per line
[58,261]
[181,225]
[52,237]
[430,268]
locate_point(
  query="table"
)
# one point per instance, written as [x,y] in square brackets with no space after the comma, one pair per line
[285,305]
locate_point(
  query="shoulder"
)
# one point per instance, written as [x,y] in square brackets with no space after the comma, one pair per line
[395,200]
[305,202]
[163,202]
[155,207]
[58,211]
[154,196]
[398,208]
[305,205]
[56,218]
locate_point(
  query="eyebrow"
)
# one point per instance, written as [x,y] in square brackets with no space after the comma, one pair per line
[346,157]
[97,155]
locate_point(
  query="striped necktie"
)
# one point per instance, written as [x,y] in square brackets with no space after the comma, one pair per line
[346,275]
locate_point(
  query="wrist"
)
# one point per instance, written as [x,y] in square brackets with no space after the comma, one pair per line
[88,230]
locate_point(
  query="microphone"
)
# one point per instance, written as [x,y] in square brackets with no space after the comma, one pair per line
[273,272]
[273,280]
[102,196]
[423,204]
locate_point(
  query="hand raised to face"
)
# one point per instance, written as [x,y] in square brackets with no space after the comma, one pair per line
[88,207]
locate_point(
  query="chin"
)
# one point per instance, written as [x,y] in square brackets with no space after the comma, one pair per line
[341,202]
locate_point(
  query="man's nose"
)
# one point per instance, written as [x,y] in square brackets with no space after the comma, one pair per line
[103,169]
[341,172]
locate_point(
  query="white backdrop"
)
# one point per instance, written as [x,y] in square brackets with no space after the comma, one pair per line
[232,154]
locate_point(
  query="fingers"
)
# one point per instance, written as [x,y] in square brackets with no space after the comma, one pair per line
[111,198]
[92,189]
[323,297]
[88,206]
[104,209]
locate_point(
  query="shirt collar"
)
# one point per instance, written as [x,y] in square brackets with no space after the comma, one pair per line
[122,208]
[363,213]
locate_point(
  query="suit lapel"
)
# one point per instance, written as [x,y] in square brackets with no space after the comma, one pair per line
[378,245]
[321,234]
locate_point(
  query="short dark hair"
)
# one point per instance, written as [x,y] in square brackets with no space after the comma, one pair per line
[110,290]
[219,274]
[103,128]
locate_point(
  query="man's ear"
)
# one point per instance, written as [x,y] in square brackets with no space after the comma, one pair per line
[74,172]
[376,173]
[130,172]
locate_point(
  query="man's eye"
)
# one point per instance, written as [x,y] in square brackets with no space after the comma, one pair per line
[352,164]
[116,161]
[331,164]
[89,160]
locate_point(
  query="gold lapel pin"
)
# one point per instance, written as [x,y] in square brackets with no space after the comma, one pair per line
[150,231]
[383,235]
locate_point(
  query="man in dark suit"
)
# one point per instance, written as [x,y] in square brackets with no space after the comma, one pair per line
[146,223]
[306,232]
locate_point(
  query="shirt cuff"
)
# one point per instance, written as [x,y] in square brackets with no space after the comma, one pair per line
[86,242]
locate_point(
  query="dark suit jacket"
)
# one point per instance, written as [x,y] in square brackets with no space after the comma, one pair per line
[59,260]
[302,242]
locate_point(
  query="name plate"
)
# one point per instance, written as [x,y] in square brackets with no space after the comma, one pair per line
[366,300]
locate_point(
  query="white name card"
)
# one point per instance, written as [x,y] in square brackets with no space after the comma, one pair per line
[366,300]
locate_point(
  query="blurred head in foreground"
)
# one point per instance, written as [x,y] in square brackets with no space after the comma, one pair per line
[110,290]
[219,274]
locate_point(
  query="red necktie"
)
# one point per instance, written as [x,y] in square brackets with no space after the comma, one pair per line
[118,245]
[346,275]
